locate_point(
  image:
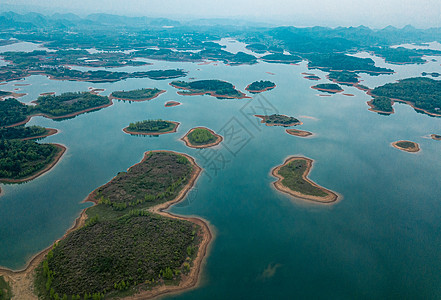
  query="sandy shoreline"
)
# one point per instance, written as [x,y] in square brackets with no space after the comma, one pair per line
[299,133]
[153,133]
[57,157]
[277,124]
[138,100]
[218,140]
[330,198]
[22,281]
[414,149]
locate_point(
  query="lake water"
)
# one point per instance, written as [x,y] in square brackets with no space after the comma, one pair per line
[382,240]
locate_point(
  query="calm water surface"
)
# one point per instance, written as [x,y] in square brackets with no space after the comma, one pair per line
[381,240]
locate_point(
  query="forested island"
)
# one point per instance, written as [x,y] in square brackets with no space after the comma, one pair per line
[260,86]
[279,120]
[299,133]
[216,88]
[137,95]
[22,161]
[407,146]
[66,105]
[292,179]
[345,78]
[423,94]
[382,105]
[25,133]
[151,127]
[330,88]
[125,244]
[172,103]
[436,137]
[312,77]
[281,58]
[201,137]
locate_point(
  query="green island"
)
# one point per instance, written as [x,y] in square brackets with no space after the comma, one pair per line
[137,95]
[22,161]
[281,58]
[279,120]
[312,77]
[407,146]
[260,86]
[5,289]
[172,103]
[25,133]
[382,105]
[330,88]
[345,78]
[66,105]
[299,133]
[433,74]
[342,62]
[292,179]
[423,94]
[436,137]
[239,58]
[201,137]
[151,127]
[125,244]
[216,88]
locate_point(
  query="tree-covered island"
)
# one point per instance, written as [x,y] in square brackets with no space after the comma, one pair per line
[423,94]
[436,137]
[382,105]
[260,86]
[330,88]
[279,120]
[201,137]
[151,127]
[137,95]
[407,146]
[216,88]
[293,180]
[299,133]
[128,245]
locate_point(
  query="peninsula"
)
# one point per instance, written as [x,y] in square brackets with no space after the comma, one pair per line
[26,133]
[292,179]
[382,105]
[137,95]
[201,137]
[260,86]
[279,120]
[216,88]
[151,127]
[407,146]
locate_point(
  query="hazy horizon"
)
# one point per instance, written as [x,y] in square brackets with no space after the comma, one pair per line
[375,14]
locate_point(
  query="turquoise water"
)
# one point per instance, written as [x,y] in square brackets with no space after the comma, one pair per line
[381,240]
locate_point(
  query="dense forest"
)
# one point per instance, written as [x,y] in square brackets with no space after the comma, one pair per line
[21,159]
[21,132]
[281,58]
[118,251]
[68,103]
[151,126]
[140,94]
[260,86]
[424,93]
[12,111]
[347,78]
[382,104]
[201,136]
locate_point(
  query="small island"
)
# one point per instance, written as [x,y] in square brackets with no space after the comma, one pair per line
[381,105]
[25,133]
[216,88]
[201,137]
[23,161]
[126,243]
[312,77]
[436,137]
[407,146]
[151,127]
[137,95]
[172,103]
[281,58]
[421,93]
[293,180]
[331,88]
[279,120]
[260,86]
[299,133]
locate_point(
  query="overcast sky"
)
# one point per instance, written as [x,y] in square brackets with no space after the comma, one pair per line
[374,13]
